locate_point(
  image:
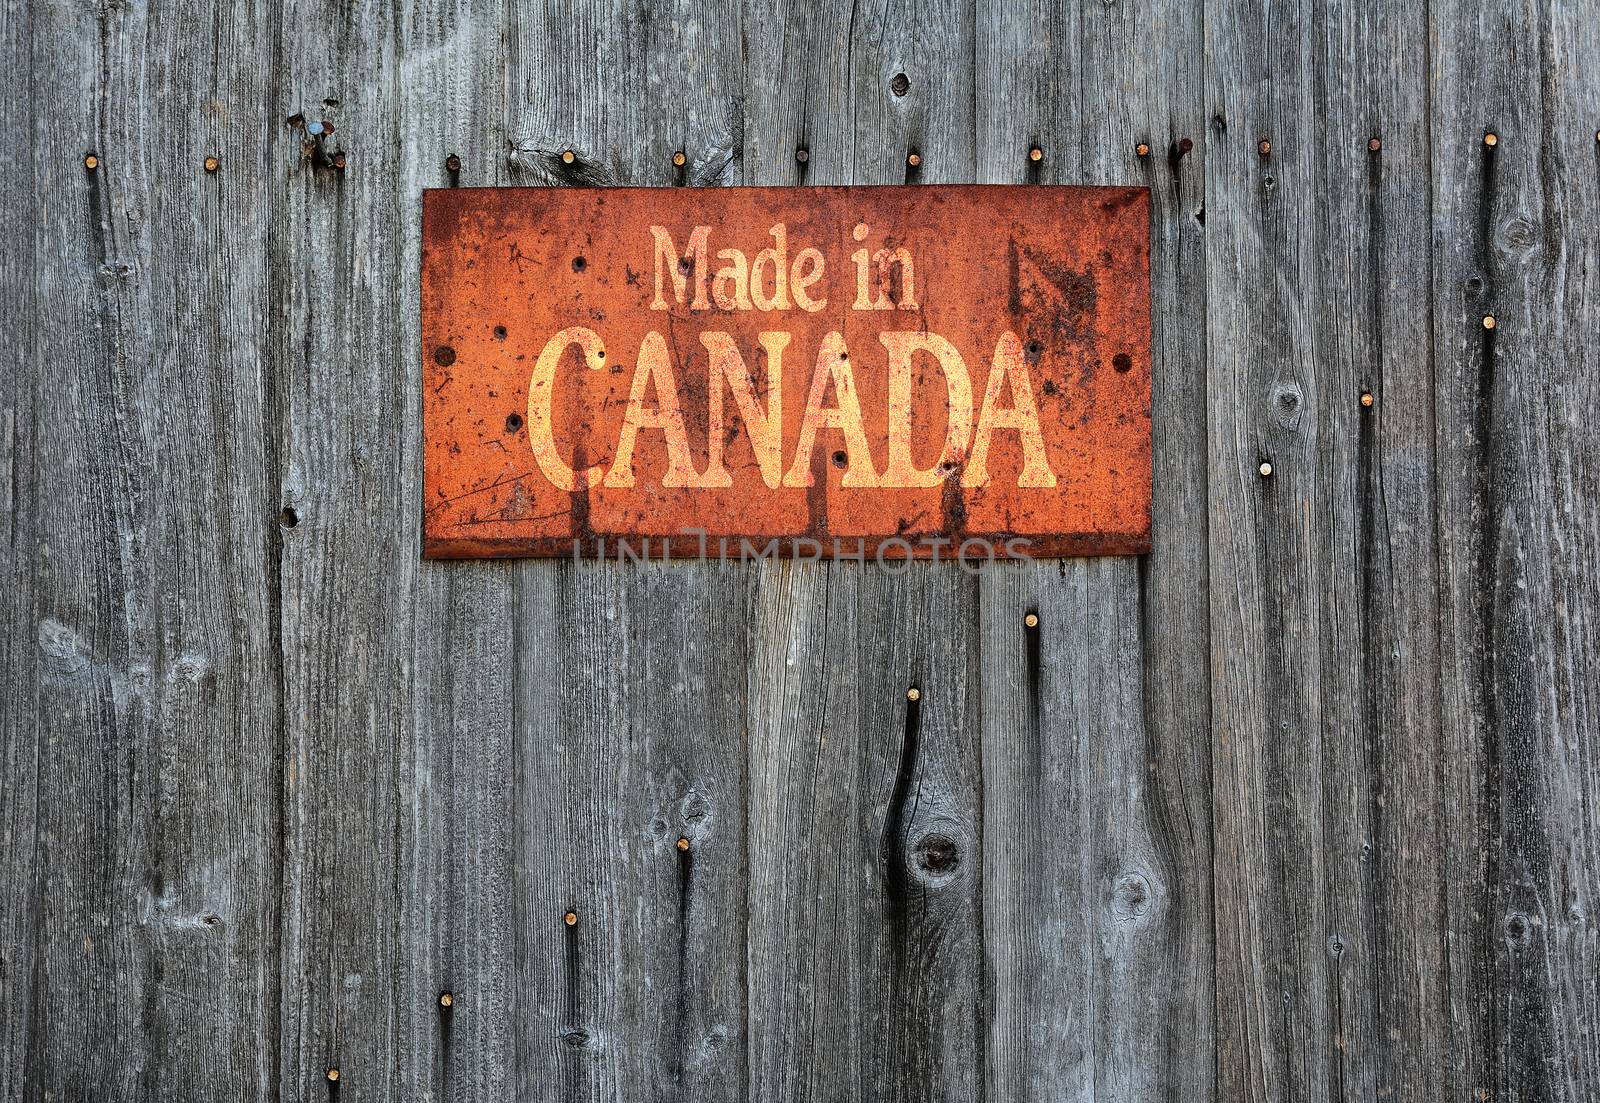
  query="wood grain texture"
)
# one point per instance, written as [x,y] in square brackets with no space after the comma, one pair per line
[1327,795]
[1302,805]
[864,807]
[152,695]
[1514,238]
[1096,722]
[19,681]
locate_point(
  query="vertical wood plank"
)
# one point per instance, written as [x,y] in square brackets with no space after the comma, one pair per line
[1096,735]
[1515,240]
[19,656]
[639,684]
[1274,1009]
[1382,931]
[459,850]
[153,560]
[865,825]
[350,558]
[1326,787]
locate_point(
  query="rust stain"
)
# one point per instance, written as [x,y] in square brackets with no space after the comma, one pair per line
[806,371]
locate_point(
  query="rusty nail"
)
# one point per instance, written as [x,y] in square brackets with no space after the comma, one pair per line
[1264,147]
[570,919]
[802,154]
[90,162]
[1142,149]
[1374,143]
[338,161]
[1488,321]
[679,158]
[913,694]
[452,163]
[333,1076]
[1491,139]
[913,158]
[1031,620]
[212,164]
[1265,469]
[1035,154]
[683,842]
[1366,398]
[446,999]
[567,157]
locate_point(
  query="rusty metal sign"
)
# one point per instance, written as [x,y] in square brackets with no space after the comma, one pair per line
[888,371]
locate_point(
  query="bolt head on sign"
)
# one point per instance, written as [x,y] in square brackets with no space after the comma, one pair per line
[890,371]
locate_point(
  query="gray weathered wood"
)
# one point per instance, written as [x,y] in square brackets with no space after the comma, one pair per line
[19,668]
[1303,805]
[149,708]
[1517,462]
[1327,799]
[864,807]
[1096,780]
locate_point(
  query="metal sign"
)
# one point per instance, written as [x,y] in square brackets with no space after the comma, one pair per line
[895,372]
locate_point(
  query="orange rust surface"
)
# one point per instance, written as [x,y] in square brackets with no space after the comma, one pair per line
[1063,269]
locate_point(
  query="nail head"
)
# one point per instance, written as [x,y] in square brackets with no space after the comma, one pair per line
[1489,322]
[570,919]
[1036,154]
[1366,398]
[212,164]
[452,163]
[567,157]
[338,161]
[446,999]
[1264,146]
[1491,139]
[1374,143]
[802,154]
[683,842]
[913,694]
[1142,149]
[913,159]
[1266,470]
[1031,620]
[679,158]
[91,162]
[333,1075]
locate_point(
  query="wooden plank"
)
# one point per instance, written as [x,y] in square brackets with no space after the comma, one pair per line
[1096,776]
[1275,1010]
[1517,464]
[154,704]
[1382,933]
[19,656]
[865,856]
[1326,786]
[458,848]
[630,692]
[350,554]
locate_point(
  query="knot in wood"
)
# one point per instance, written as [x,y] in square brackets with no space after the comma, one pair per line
[1131,896]
[1287,401]
[1518,236]
[1519,929]
[936,856]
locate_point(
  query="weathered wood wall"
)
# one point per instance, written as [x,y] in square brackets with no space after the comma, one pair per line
[1304,805]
